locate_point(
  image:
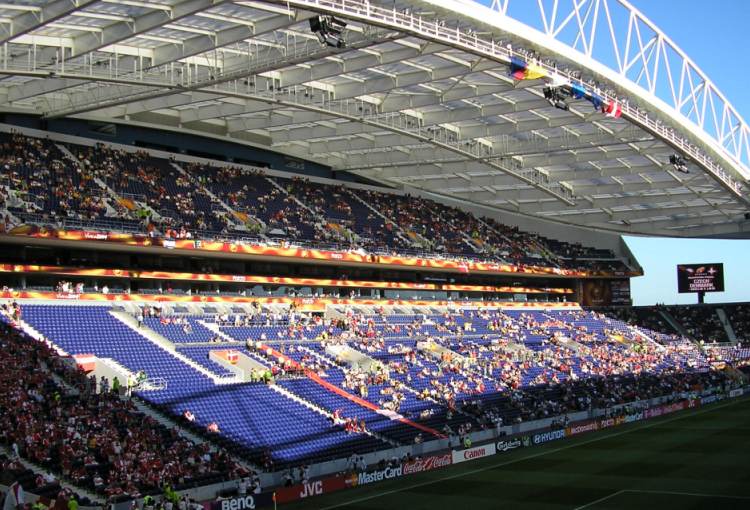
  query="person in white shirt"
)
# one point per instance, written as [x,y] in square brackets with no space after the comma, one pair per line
[242,485]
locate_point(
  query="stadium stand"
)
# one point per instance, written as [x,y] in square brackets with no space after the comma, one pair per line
[700,322]
[439,373]
[52,416]
[739,317]
[120,191]
[229,373]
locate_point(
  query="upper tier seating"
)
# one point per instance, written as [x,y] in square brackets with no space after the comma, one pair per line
[739,317]
[110,189]
[701,322]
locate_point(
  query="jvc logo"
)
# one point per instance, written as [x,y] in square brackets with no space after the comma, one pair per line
[311,489]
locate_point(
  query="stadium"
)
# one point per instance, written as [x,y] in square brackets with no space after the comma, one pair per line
[318,254]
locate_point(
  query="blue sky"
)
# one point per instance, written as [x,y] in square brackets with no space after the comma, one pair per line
[711,34]
[715,36]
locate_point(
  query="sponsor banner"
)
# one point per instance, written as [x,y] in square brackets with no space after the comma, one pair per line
[473,453]
[510,290]
[316,488]
[710,399]
[336,483]
[509,444]
[606,423]
[298,252]
[581,428]
[304,304]
[95,236]
[388,473]
[594,425]
[735,393]
[248,502]
[545,437]
[666,409]
[427,464]
[630,418]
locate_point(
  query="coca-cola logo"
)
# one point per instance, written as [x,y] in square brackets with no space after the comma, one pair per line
[427,464]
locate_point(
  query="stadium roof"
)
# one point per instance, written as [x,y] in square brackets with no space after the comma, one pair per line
[420,97]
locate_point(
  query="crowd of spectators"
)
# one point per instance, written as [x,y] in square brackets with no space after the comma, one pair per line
[739,317]
[570,360]
[154,196]
[95,440]
[646,317]
[700,322]
[46,182]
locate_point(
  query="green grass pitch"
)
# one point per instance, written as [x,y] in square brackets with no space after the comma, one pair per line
[696,459]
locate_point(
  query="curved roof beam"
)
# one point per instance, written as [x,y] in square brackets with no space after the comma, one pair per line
[432,29]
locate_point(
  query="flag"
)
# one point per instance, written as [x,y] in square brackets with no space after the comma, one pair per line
[412,235]
[127,204]
[577,90]
[521,70]
[534,72]
[517,68]
[335,227]
[612,109]
[243,217]
[558,81]
[14,497]
[596,100]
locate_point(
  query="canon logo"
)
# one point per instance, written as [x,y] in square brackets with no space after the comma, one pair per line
[474,454]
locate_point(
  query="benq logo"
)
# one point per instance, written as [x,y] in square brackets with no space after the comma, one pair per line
[243,503]
[311,489]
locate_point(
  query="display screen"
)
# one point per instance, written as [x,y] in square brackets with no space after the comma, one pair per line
[700,278]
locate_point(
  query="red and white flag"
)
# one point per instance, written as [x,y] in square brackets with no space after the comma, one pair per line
[613,109]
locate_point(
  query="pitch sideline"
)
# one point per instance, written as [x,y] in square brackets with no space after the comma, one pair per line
[533,456]
[672,493]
